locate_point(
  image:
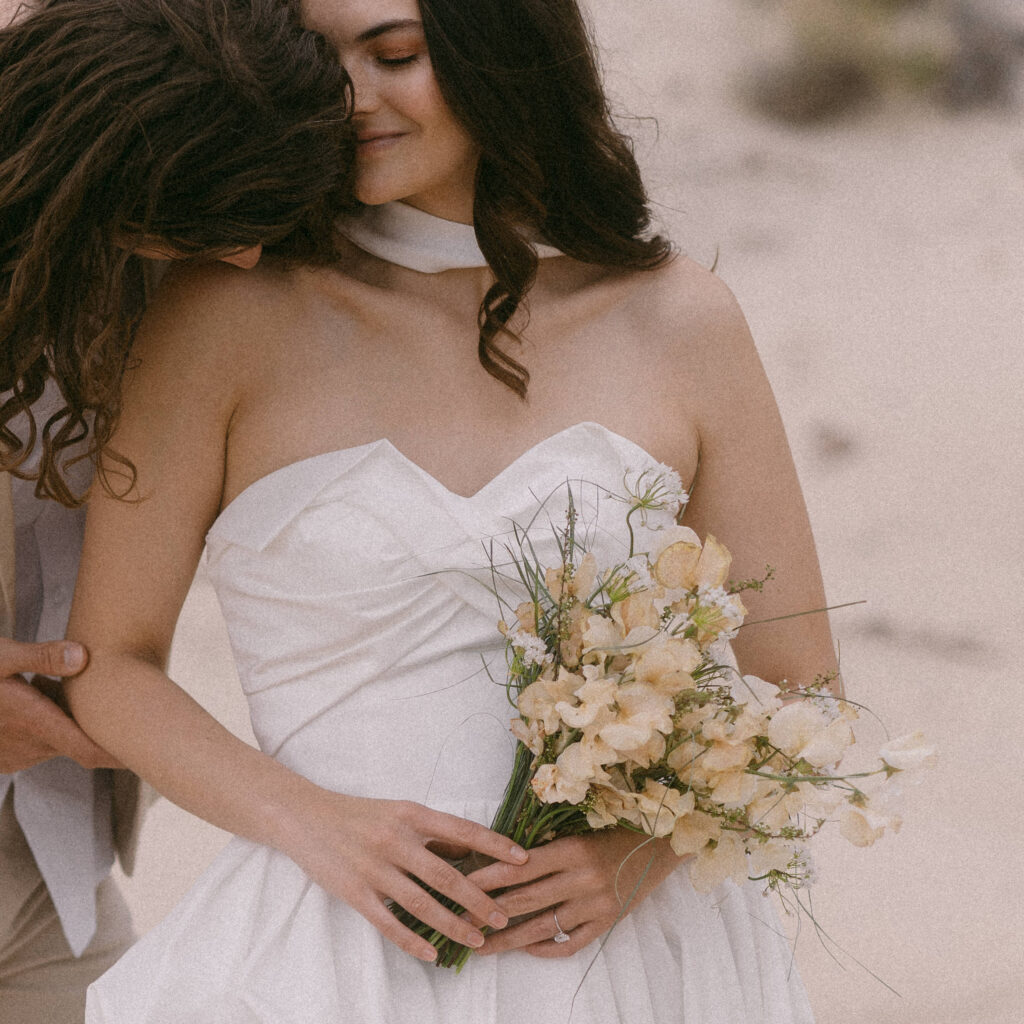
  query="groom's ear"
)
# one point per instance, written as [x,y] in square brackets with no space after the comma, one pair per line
[164,251]
[244,258]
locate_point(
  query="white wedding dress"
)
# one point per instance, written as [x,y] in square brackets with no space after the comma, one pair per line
[354,588]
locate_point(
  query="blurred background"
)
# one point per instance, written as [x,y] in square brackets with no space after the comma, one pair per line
[856,167]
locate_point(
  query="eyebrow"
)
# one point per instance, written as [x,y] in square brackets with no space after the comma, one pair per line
[387,26]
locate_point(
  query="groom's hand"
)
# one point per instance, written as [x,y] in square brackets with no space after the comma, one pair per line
[33,728]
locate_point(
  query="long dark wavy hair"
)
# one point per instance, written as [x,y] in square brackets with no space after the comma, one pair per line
[522,78]
[202,127]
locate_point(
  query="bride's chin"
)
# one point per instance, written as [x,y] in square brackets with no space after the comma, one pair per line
[375,193]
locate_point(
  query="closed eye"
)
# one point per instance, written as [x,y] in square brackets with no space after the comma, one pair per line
[398,62]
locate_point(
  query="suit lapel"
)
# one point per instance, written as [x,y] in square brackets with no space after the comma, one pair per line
[7,605]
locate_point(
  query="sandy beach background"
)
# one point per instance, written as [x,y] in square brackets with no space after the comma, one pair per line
[880,262]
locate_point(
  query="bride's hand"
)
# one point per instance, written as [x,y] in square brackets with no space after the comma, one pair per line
[586,879]
[364,851]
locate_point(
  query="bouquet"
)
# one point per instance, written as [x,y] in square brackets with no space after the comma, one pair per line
[630,711]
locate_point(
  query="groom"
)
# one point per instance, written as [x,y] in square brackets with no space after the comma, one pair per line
[63,812]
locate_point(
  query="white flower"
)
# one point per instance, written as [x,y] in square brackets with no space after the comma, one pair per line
[533,650]
[640,569]
[656,488]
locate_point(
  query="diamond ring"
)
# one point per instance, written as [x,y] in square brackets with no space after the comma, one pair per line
[561,935]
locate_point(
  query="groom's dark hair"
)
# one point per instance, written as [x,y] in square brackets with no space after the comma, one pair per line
[522,78]
[199,127]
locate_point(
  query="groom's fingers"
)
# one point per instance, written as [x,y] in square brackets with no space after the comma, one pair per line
[33,729]
[60,658]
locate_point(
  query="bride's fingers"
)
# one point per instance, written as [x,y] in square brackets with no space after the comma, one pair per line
[544,860]
[581,936]
[450,882]
[418,902]
[534,897]
[450,831]
[542,929]
[392,929]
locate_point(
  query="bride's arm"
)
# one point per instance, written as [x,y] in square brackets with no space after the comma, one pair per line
[137,566]
[747,494]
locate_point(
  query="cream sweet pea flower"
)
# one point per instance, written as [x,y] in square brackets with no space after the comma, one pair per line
[862,825]
[758,695]
[714,864]
[665,538]
[609,806]
[773,855]
[636,610]
[733,789]
[585,577]
[538,701]
[596,697]
[687,761]
[530,734]
[570,777]
[641,711]
[685,565]
[802,730]
[692,832]
[659,807]
[602,634]
[668,666]
[571,648]
[772,807]
[646,754]
[726,756]
[906,753]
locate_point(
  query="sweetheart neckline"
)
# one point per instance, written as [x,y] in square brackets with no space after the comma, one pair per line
[383,441]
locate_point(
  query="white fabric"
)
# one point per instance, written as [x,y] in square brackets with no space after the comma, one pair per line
[402,234]
[354,588]
[63,809]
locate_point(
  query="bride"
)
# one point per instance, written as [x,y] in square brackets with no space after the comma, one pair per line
[499,322]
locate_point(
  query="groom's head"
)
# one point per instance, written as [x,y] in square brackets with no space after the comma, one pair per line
[189,129]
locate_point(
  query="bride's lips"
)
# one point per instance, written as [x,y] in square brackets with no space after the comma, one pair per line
[375,142]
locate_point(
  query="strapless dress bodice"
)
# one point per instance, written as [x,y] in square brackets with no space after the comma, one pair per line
[360,603]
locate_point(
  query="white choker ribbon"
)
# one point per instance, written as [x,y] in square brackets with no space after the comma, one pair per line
[403,235]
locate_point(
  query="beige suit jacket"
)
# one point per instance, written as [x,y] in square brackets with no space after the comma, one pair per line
[129,796]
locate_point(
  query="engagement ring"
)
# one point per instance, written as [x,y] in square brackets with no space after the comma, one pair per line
[559,936]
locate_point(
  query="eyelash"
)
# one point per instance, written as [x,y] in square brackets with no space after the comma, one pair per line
[398,62]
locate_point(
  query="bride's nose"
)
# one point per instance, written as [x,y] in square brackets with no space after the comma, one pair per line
[365,97]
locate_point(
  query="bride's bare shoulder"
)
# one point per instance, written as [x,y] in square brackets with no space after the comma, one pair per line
[684,303]
[214,313]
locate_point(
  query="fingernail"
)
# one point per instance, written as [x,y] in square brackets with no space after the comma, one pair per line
[498,920]
[519,853]
[476,940]
[74,657]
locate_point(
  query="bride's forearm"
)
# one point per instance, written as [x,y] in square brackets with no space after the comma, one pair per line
[129,706]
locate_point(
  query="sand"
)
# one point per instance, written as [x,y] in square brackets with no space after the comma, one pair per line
[880,264]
